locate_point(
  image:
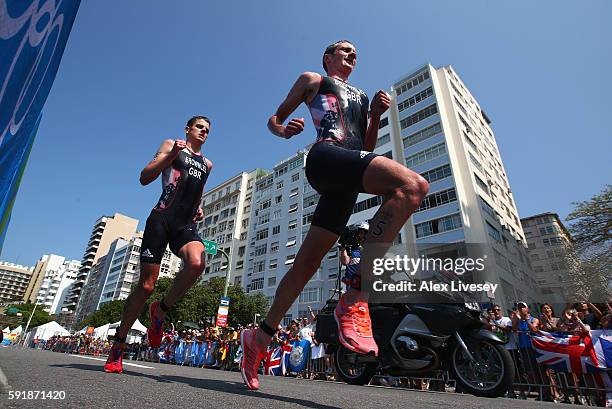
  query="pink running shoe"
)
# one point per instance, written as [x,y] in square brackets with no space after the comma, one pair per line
[114,363]
[251,358]
[355,326]
[155,331]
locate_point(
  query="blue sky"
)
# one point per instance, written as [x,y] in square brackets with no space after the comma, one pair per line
[133,72]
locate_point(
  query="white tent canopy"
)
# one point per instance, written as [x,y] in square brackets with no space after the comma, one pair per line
[137,326]
[6,330]
[46,331]
[101,331]
[17,331]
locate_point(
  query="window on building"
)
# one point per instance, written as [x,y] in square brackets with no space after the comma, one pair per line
[275,230]
[307,218]
[292,225]
[419,116]
[271,281]
[310,295]
[257,284]
[383,140]
[273,264]
[293,208]
[262,234]
[438,199]
[415,99]
[290,259]
[412,82]
[493,232]
[383,122]
[422,135]
[426,155]
[274,247]
[295,177]
[436,226]
[437,173]
[279,184]
[294,192]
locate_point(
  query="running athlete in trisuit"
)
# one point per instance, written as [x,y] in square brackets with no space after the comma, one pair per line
[172,221]
[339,166]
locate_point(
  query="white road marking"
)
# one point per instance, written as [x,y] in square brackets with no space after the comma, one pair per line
[104,360]
[4,386]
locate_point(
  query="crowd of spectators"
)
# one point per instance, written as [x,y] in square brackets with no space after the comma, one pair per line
[515,329]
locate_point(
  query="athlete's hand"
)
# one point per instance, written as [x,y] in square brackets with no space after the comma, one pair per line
[179,145]
[380,103]
[199,215]
[294,127]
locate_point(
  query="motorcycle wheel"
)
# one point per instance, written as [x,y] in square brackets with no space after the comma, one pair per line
[351,371]
[492,373]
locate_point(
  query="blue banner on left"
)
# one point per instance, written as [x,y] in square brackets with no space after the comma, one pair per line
[33,35]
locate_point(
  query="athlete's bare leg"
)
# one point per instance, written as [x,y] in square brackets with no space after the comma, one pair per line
[403,191]
[317,243]
[194,261]
[135,301]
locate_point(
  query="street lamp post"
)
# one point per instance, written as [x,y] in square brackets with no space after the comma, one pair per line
[255,319]
[227,272]
[25,331]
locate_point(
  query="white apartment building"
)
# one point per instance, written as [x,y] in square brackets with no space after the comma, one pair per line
[227,214]
[58,278]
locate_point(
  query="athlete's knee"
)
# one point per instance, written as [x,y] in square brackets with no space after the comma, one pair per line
[195,263]
[412,188]
[147,287]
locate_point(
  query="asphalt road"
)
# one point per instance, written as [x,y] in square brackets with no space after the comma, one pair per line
[152,385]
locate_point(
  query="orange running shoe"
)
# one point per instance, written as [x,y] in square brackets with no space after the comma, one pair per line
[251,358]
[355,326]
[155,331]
[114,363]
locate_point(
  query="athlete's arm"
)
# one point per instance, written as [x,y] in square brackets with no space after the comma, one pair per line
[200,213]
[379,105]
[304,88]
[167,152]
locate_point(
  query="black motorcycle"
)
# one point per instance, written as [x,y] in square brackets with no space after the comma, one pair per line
[415,339]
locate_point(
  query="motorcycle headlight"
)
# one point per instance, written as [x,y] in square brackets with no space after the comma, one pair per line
[472,306]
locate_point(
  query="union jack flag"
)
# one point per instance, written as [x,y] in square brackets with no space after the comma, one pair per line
[274,363]
[573,353]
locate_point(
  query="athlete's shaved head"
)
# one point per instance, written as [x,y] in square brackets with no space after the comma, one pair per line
[193,120]
[331,49]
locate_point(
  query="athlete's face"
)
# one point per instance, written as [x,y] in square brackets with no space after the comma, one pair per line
[344,58]
[198,131]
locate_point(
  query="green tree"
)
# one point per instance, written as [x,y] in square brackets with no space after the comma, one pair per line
[589,259]
[40,316]
[200,303]
[109,312]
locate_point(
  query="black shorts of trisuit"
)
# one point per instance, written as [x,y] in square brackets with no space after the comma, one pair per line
[337,174]
[159,231]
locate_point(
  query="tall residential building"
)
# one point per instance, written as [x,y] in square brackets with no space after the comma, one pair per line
[14,280]
[44,267]
[57,283]
[436,127]
[106,230]
[547,241]
[227,214]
